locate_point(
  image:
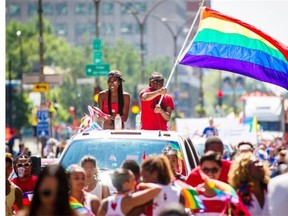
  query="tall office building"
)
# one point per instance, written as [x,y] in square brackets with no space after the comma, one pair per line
[75,20]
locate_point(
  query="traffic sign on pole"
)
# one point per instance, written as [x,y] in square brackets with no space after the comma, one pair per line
[97,70]
[41,87]
[97,57]
[43,128]
[97,44]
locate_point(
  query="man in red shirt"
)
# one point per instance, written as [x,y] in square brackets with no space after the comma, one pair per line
[154,117]
[215,144]
[24,179]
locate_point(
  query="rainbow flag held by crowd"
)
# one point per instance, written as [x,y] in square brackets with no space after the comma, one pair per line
[226,43]
[223,190]
[75,204]
[190,195]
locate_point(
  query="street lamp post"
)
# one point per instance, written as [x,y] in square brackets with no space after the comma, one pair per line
[20,69]
[97,29]
[141,25]
[175,35]
[41,48]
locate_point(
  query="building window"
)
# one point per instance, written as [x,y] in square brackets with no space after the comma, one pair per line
[61,29]
[126,8]
[80,9]
[14,10]
[126,28]
[107,29]
[91,8]
[32,9]
[107,8]
[140,7]
[92,28]
[61,9]
[80,29]
[47,9]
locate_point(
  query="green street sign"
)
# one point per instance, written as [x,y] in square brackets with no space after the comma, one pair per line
[97,70]
[97,44]
[97,57]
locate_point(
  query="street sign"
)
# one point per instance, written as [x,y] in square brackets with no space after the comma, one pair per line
[32,78]
[97,57]
[42,115]
[43,128]
[97,70]
[97,44]
[41,87]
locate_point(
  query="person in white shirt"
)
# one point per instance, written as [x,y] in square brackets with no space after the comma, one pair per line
[278,194]
[93,182]
[125,200]
[157,169]
[250,176]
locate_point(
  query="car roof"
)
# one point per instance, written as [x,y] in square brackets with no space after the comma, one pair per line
[126,134]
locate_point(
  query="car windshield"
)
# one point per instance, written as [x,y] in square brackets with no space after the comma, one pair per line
[110,153]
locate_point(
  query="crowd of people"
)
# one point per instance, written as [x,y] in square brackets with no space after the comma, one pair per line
[152,187]
[258,175]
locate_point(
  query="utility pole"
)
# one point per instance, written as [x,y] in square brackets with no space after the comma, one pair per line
[97,29]
[41,48]
[10,94]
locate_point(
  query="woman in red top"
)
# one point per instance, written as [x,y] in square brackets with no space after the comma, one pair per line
[114,100]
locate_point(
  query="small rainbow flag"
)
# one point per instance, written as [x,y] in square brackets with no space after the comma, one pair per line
[223,190]
[75,204]
[226,43]
[190,195]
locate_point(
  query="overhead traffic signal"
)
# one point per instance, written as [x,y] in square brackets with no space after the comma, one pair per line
[220,97]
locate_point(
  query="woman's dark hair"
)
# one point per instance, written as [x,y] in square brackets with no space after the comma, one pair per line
[62,206]
[211,156]
[120,96]
[91,159]
[131,165]
[161,165]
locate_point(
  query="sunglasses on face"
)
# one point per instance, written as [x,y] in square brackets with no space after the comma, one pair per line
[212,170]
[160,81]
[23,164]
[46,193]
[112,81]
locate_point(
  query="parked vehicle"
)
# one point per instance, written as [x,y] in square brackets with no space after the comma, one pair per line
[112,148]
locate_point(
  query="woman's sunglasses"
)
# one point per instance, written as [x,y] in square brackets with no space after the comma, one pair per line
[212,170]
[23,164]
[156,81]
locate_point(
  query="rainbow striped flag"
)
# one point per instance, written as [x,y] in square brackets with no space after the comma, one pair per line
[190,195]
[75,204]
[223,190]
[229,44]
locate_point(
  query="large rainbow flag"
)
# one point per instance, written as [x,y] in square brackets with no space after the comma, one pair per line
[229,44]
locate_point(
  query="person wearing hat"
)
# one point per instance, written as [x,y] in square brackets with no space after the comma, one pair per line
[114,100]
[154,117]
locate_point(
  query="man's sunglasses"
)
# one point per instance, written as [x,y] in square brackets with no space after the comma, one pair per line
[46,193]
[23,164]
[212,170]
[156,81]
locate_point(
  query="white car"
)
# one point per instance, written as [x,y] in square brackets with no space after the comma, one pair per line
[111,148]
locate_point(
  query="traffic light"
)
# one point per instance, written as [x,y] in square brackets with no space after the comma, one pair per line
[220,97]
[135,109]
[97,90]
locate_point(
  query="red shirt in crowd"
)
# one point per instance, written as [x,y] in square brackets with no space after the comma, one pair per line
[194,178]
[151,120]
[27,185]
